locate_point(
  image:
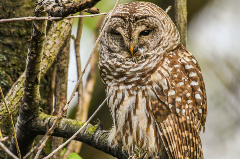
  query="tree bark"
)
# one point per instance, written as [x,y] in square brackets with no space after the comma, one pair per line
[30,103]
[181,19]
[54,41]
[61,89]
[13,52]
[13,40]
[92,135]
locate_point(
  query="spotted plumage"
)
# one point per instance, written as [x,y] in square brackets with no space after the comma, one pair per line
[155,87]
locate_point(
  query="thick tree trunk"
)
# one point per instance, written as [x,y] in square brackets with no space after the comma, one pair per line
[13,51]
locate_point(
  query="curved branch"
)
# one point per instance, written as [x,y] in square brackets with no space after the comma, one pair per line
[93,135]
[65,9]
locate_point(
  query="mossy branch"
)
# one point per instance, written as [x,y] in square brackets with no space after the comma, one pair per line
[93,135]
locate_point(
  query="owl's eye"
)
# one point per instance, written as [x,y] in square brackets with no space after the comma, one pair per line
[145,32]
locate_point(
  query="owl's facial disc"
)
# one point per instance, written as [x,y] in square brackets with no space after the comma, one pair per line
[129,38]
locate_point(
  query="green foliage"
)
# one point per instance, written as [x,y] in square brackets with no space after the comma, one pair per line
[74,156]
[63,151]
[48,147]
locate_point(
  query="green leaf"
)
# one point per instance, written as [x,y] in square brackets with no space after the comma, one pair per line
[63,151]
[74,156]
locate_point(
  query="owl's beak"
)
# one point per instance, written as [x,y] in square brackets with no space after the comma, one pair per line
[131,49]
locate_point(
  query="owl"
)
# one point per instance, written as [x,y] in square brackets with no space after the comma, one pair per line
[154,85]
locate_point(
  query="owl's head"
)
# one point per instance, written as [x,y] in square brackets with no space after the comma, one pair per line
[138,29]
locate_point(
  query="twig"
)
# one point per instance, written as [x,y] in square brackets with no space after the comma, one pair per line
[8,151]
[4,139]
[10,115]
[75,135]
[72,146]
[52,88]
[48,18]
[1,133]
[31,97]
[94,47]
[78,59]
[168,8]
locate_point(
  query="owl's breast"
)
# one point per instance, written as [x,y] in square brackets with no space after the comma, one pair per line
[134,124]
[114,72]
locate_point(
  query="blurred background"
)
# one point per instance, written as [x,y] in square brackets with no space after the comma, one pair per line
[214,39]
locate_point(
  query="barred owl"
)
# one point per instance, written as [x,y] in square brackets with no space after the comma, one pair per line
[155,86]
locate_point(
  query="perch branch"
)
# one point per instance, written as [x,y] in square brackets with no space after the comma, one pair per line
[79,130]
[91,135]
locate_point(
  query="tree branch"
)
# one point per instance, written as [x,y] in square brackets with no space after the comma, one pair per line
[93,135]
[29,106]
[48,18]
[181,19]
[8,151]
[65,8]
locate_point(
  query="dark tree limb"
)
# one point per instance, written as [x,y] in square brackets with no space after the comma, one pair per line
[30,103]
[65,9]
[181,19]
[93,135]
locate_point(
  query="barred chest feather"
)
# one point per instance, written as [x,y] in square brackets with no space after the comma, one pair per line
[134,124]
[129,89]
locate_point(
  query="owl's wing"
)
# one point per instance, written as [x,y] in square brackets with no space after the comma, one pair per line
[179,103]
